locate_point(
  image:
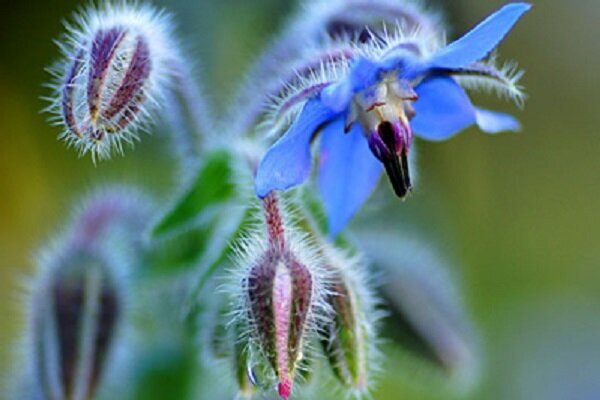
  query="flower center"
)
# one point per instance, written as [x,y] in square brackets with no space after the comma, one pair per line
[383,111]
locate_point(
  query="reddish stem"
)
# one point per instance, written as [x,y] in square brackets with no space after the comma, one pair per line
[274,222]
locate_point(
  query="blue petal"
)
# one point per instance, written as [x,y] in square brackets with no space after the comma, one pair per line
[348,173]
[496,122]
[481,40]
[363,73]
[337,96]
[442,110]
[287,162]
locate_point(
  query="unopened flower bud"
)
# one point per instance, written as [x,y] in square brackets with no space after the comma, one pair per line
[77,300]
[117,65]
[280,293]
[76,306]
[119,211]
[426,314]
[280,296]
[360,19]
[349,336]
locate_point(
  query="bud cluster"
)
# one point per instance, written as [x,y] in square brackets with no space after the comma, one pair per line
[292,296]
[358,78]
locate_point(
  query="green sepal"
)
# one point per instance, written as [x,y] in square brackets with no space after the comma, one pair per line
[213,185]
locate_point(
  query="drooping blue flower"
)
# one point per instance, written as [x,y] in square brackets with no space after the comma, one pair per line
[368,114]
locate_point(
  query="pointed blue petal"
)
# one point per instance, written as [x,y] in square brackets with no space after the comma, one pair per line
[348,173]
[363,73]
[442,110]
[496,122]
[287,162]
[337,96]
[481,40]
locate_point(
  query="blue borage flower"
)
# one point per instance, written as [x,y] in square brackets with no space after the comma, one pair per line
[383,91]
[293,52]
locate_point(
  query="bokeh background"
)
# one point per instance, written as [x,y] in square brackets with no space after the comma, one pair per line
[517,215]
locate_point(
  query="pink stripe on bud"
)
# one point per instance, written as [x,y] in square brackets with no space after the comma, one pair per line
[122,70]
[282,307]
[280,294]
[285,388]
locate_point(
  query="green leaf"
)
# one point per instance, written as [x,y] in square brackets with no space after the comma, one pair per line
[165,373]
[177,252]
[239,222]
[212,186]
[313,209]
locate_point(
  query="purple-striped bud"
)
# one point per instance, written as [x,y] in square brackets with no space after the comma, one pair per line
[76,300]
[281,293]
[118,63]
[76,306]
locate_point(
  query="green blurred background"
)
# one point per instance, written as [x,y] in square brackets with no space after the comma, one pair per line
[518,214]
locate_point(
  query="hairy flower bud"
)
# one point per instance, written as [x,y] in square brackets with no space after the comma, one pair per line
[348,338]
[117,64]
[76,306]
[426,313]
[115,210]
[359,19]
[279,292]
[280,297]
[76,300]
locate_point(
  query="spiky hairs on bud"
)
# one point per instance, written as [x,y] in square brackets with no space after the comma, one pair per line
[76,300]
[115,210]
[76,304]
[349,338]
[281,299]
[117,63]
[421,292]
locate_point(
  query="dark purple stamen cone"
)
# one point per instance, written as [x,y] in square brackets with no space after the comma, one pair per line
[390,144]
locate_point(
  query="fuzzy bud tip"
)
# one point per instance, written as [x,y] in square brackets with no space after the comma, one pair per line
[285,388]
